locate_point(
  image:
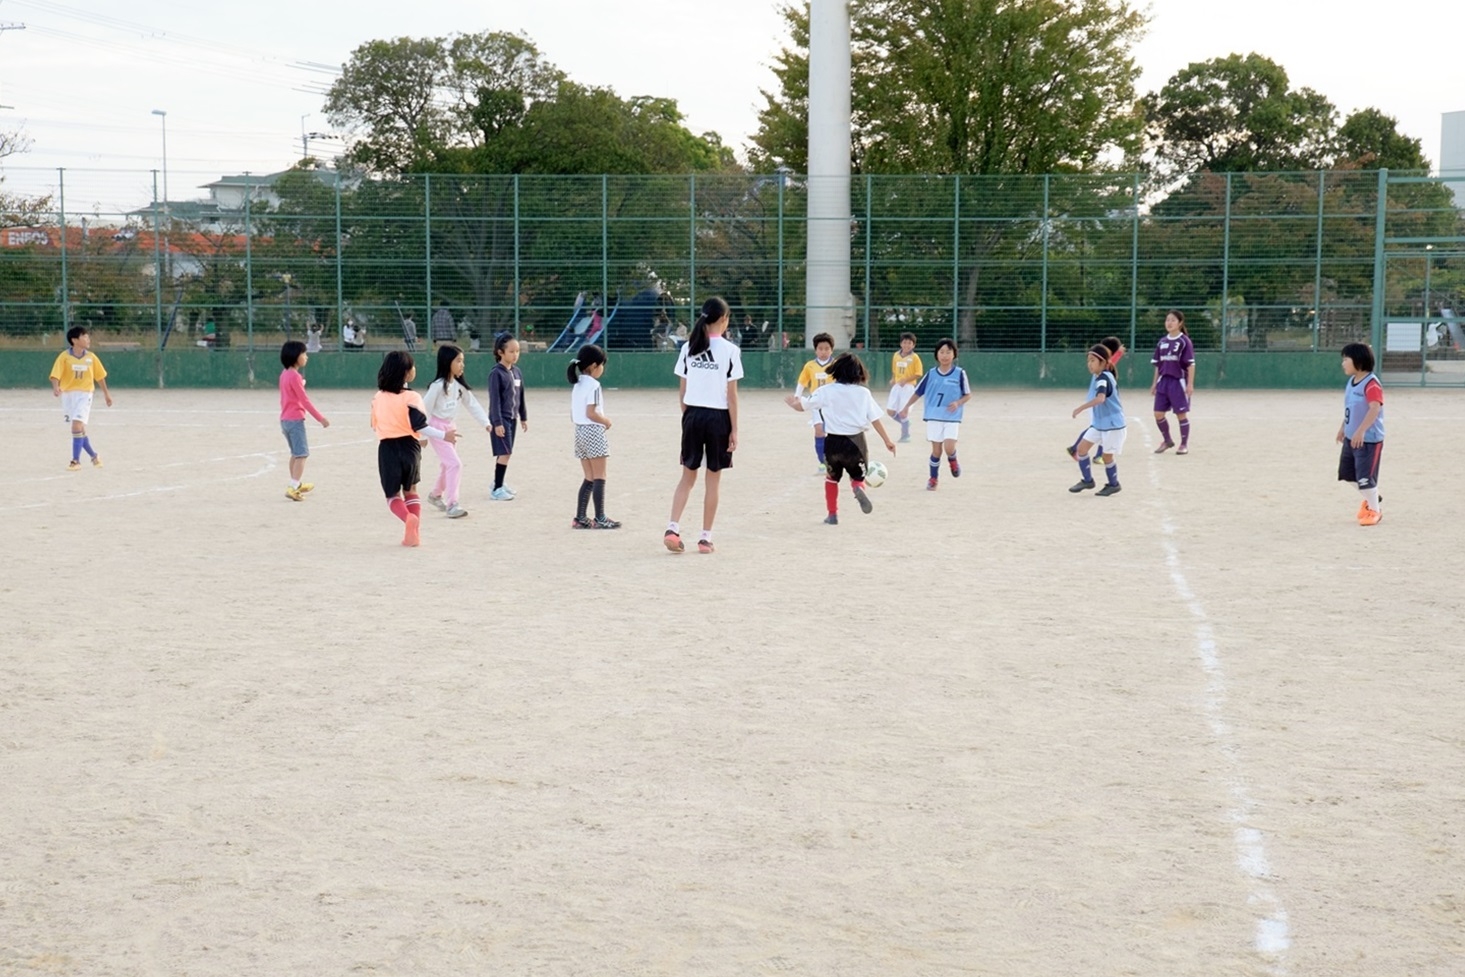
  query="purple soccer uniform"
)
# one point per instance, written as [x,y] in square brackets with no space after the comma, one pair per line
[1172,358]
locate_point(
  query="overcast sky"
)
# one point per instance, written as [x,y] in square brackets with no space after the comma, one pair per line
[235,79]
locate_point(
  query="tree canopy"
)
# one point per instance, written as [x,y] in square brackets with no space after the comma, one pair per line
[969,86]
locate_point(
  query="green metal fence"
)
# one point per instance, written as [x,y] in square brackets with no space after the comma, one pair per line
[1257,261]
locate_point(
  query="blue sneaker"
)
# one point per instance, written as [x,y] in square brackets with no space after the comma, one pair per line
[501,494]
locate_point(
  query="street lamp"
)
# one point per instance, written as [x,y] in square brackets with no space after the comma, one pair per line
[164,116]
[1428,260]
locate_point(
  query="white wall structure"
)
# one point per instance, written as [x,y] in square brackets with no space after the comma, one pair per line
[1452,153]
[827,293]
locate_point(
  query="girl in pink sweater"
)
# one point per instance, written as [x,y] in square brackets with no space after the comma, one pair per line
[294,405]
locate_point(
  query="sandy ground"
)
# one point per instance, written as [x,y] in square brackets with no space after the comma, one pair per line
[1210,726]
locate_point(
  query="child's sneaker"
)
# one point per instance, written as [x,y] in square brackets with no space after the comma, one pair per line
[955,470]
[73,466]
[413,535]
[705,546]
[1109,490]
[96,461]
[1370,517]
[436,501]
[456,511]
[863,500]
[673,541]
[501,494]
[581,522]
[1184,449]
[306,487]
[930,485]
[1166,446]
[904,439]
[1083,486]
[293,494]
[831,520]
[604,522]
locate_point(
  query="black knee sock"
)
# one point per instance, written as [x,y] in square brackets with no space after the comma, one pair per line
[599,492]
[498,476]
[585,488]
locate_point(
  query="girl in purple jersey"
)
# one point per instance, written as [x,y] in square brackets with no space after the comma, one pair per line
[1174,382]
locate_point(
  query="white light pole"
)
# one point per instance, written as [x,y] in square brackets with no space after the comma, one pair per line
[1428,260]
[164,116]
[827,287]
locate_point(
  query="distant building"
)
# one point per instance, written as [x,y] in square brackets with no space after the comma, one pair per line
[224,210]
[1452,153]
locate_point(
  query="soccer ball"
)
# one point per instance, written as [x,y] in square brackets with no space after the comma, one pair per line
[875,474]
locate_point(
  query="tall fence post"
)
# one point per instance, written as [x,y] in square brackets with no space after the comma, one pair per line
[1380,279]
[65,285]
[340,288]
[956,256]
[516,256]
[157,264]
[869,243]
[1043,293]
[248,264]
[605,246]
[692,239]
[427,247]
[1134,269]
[1226,268]
[1317,278]
[782,180]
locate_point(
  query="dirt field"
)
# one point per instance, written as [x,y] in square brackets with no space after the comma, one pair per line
[1207,727]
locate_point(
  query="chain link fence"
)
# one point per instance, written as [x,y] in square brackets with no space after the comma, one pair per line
[1256,261]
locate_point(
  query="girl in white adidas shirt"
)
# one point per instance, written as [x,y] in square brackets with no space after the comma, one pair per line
[709,368]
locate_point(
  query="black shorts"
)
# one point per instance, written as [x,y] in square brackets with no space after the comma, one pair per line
[503,445]
[1360,465]
[845,453]
[399,461]
[706,432]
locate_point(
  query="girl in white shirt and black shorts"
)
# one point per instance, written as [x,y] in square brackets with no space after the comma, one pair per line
[709,368]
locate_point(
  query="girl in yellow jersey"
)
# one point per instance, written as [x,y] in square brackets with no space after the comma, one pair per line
[905,373]
[399,419]
[76,372]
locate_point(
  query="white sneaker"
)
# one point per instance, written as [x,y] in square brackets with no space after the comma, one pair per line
[501,495]
[437,502]
[456,511]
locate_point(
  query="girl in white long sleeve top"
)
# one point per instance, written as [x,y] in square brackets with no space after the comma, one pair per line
[441,402]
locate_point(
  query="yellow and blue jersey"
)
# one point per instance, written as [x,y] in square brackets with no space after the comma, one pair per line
[77,374]
[815,375]
[906,369]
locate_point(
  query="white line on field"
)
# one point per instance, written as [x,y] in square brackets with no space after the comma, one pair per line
[1272,936]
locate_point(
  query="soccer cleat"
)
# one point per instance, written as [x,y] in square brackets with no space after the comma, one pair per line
[823,469]
[1362,508]
[455,511]
[581,522]
[930,485]
[831,520]
[1184,449]
[605,522]
[501,494]
[1072,452]
[1370,517]
[293,494]
[863,500]
[73,465]
[306,487]
[705,546]
[673,541]
[1083,486]
[436,501]
[413,534]
[955,470]
[1164,447]
[1109,490]
[96,461]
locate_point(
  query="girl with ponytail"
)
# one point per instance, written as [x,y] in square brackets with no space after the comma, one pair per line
[587,410]
[708,369]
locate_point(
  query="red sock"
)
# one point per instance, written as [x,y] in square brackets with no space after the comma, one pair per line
[398,507]
[831,496]
[414,504]
[855,486]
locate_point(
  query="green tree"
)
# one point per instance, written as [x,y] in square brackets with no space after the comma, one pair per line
[1369,139]
[970,86]
[390,93]
[1236,114]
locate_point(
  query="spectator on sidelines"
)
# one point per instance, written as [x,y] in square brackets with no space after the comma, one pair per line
[441,328]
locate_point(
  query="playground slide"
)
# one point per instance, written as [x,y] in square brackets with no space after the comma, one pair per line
[1457,335]
[583,329]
